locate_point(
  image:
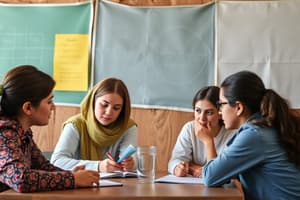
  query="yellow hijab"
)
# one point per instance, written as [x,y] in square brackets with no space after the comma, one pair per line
[94,136]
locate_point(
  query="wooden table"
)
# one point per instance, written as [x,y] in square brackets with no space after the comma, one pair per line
[131,190]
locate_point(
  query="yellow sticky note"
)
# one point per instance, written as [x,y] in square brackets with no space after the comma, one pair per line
[70,70]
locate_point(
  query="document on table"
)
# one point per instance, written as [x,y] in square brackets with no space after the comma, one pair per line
[117,174]
[174,179]
[108,183]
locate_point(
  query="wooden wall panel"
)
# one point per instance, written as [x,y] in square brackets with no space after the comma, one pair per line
[46,136]
[160,128]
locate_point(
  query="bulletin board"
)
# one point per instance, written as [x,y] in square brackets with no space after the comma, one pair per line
[27,36]
[163,54]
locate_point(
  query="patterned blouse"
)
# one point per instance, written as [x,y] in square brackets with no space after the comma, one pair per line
[22,164]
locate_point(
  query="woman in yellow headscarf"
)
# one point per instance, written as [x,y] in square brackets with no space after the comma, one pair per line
[103,126]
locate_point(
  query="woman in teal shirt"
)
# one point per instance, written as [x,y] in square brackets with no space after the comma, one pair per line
[264,153]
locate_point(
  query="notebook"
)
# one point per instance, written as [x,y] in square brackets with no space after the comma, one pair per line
[118,174]
[108,183]
[174,179]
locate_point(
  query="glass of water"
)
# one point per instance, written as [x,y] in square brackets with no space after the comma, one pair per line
[146,156]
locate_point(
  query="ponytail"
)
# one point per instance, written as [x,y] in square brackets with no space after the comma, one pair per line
[276,113]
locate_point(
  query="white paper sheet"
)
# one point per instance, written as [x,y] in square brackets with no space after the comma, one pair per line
[174,179]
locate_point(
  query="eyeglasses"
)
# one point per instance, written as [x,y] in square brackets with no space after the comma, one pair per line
[220,103]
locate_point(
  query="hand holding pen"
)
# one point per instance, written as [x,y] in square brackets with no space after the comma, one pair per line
[125,161]
[109,164]
[110,156]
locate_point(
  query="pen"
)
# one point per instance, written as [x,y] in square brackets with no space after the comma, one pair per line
[109,155]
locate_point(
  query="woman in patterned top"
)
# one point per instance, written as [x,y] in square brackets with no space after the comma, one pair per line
[26,100]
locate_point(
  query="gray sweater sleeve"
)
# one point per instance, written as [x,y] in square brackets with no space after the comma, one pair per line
[183,148]
[66,154]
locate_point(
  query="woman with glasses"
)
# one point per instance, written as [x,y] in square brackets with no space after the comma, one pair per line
[264,153]
[188,155]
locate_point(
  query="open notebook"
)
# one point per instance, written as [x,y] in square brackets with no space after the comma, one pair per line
[174,179]
[118,174]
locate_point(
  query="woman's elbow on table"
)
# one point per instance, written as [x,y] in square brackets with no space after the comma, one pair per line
[210,179]
[210,182]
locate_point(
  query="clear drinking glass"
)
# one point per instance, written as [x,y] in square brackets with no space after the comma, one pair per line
[146,156]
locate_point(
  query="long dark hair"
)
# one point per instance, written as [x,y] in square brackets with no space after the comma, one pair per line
[248,88]
[24,83]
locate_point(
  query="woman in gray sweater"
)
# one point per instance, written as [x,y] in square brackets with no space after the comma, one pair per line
[188,155]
